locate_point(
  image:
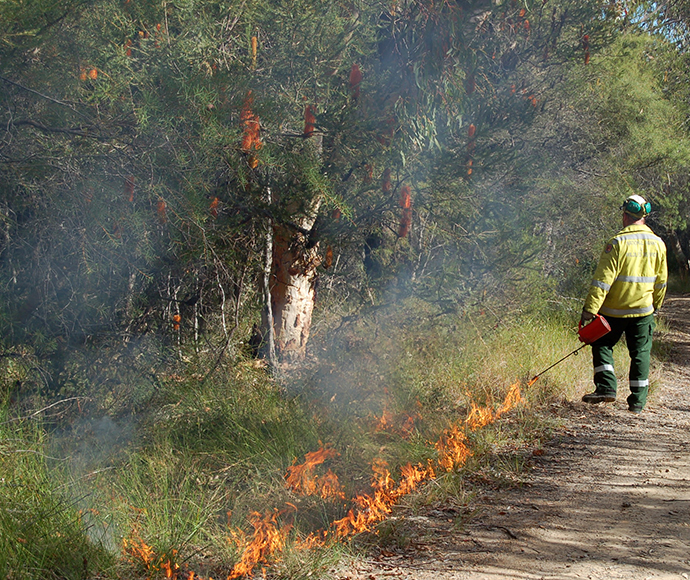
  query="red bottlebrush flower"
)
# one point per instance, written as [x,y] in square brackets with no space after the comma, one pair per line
[255,43]
[162,211]
[129,188]
[386,181]
[328,261]
[355,80]
[309,121]
[214,207]
[471,130]
[336,213]
[526,25]
[522,12]
[470,162]
[251,129]
[93,74]
[405,198]
[405,202]
[587,57]
[512,89]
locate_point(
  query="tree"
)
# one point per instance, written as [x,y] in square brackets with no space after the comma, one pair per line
[166,143]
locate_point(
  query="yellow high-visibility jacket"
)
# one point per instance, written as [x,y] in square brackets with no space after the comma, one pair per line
[631,277]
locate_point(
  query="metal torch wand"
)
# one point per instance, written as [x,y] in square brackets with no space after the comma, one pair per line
[535,377]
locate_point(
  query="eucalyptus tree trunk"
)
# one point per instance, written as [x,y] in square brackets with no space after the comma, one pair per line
[293,283]
[267,315]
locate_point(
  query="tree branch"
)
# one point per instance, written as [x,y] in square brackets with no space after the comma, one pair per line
[78,132]
[51,99]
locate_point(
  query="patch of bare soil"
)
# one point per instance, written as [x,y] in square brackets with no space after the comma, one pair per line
[608,498]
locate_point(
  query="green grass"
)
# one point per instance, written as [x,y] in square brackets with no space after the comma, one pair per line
[194,460]
[42,529]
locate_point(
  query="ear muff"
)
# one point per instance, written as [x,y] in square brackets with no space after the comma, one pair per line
[634,207]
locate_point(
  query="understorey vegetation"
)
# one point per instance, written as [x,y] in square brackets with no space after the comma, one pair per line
[274,274]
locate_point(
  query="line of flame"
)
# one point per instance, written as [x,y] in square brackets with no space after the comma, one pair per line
[268,538]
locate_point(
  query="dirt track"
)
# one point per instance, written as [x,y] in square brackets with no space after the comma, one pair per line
[608,498]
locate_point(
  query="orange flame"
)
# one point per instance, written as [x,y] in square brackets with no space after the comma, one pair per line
[267,540]
[452,449]
[402,424]
[138,551]
[372,509]
[301,478]
[480,416]
[368,509]
[512,399]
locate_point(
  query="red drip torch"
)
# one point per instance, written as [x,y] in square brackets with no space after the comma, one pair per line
[587,334]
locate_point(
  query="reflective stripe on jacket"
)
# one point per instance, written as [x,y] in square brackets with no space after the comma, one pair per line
[631,277]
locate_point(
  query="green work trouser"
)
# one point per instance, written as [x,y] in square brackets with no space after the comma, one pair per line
[638,336]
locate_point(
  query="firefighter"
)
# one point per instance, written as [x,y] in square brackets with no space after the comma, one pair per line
[628,288]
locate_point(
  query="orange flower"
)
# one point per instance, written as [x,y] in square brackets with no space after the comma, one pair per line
[161,209]
[129,188]
[328,261]
[251,139]
[93,74]
[309,121]
[214,207]
[405,198]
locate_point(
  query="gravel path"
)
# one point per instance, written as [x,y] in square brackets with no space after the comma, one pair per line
[609,497]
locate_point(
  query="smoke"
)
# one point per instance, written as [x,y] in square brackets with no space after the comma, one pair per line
[89,448]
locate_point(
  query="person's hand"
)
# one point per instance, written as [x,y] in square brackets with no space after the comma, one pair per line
[586,317]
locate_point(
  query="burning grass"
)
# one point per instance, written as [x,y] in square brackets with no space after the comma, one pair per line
[231,479]
[273,529]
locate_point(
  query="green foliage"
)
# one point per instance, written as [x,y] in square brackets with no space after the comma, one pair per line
[42,530]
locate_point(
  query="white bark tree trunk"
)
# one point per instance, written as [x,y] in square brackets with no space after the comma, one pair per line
[293,289]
